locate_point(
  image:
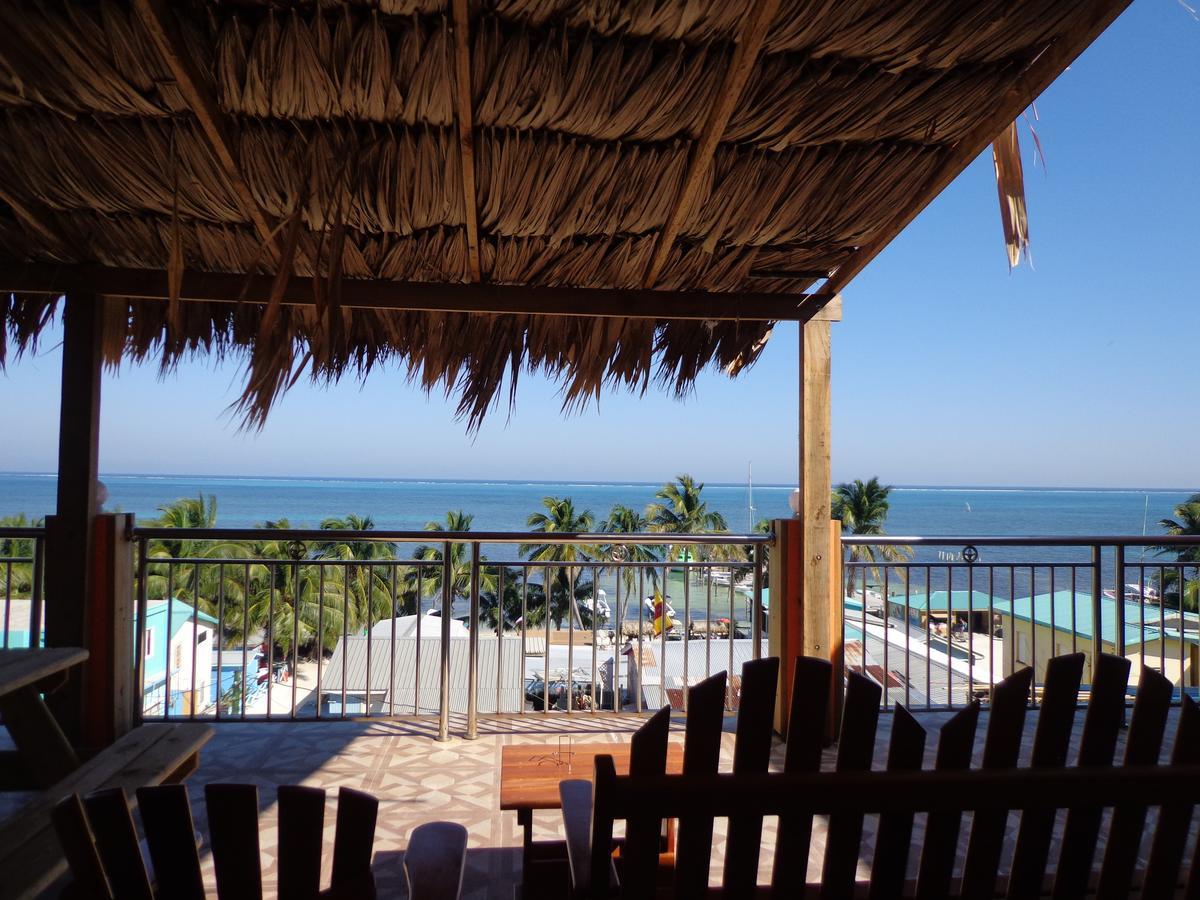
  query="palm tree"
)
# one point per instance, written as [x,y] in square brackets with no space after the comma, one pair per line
[201,584]
[683,512]
[369,586]
[294,603]
[863,509]
[1185,523]
[426,580]
[16,578]
[624,520]
[561,518]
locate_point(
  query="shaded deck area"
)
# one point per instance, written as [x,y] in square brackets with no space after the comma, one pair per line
[418,779]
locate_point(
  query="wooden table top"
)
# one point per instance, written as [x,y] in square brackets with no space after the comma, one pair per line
[21,668]
[529,774]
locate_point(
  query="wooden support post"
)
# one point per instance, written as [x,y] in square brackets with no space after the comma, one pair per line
[69,531]
[110,688]
[806,619]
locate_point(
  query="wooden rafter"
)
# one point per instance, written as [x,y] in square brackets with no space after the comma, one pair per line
[745,55]
[153,284]
[466,135]
[1035,79]
[161,25]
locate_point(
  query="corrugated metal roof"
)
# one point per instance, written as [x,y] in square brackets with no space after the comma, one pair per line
[500,664]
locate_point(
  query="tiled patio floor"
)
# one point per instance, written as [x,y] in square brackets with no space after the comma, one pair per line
[418,779]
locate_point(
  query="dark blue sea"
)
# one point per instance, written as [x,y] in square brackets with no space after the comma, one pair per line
[403,504]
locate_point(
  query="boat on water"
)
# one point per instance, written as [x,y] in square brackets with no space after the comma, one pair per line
[1136,593]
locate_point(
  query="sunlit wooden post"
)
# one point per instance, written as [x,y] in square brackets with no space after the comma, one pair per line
[805,616]
[69,531]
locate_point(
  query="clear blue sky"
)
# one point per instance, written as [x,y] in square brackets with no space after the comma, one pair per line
[1080,370]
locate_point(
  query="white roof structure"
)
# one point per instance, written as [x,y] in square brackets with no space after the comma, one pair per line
[406,627]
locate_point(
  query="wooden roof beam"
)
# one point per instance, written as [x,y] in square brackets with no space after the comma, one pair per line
[152,284]
[1035,79]
[466,135]
[745,55]
[162,28]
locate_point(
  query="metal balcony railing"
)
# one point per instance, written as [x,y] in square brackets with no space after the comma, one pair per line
[22,565]
[938,620]
[265,624]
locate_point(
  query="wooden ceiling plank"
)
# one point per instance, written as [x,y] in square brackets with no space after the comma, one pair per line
[160,24]
[745,55]
[466,136]
[1036,78]
[152,284]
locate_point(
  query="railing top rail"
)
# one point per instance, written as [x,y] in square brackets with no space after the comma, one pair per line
[439,537]
[25,531]
[1107,540]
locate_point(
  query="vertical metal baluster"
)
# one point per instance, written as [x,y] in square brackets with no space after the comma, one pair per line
[991,617]
[500,635]
[618,626]
[1142,608]
[708,626]
[36,610]
[321,633]
[444,691]
[928,636]
[570,639]
[1097,586]
[1162,641]
[167,668]
[1012,619]
[949,636]
[295,661]
[220,635]
[1182,647]
[1053,622]
[271,643]
[392,643]
[1119,603]
[245,637]
[345,630]
[757,614]
[195,633]
[8,567]
[370,637]
[641,612]
[732,632]
[595,632]
[1074,617]
[139,666]
[546,646]
[687,622]
[970,633]
[473,649]
[420,601]
[887,668]
[524,630]
[907,632]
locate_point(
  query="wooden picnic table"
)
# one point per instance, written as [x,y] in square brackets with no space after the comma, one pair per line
[530,775]
[30,854]
[44,750]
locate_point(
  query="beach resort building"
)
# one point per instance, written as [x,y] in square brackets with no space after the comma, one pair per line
[177,658]
[1045,625]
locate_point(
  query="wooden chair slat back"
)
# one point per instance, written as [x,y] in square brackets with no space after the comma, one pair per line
[856,748]
[1143,745]
[171,836]
[1101,727]
[117,840]
[701,755]
[812,679]
[639,855]
[233,834]
[354,844]
[301,824]
[1051,744]
[889,866]
[79,847]
[1170,837]
[938,850]
[1001,750]
[751,754]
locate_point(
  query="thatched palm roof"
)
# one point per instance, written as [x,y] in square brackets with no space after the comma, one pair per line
[677,145]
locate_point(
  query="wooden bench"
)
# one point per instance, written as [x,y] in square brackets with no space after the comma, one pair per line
[31,858]
[1042,794]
